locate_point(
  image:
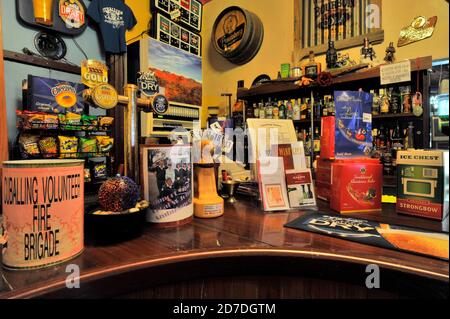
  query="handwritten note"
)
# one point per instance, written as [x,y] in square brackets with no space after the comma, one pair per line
[395,73]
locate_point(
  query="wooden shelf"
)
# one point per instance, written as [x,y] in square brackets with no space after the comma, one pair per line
[291,88]
[41,62]
[394,116]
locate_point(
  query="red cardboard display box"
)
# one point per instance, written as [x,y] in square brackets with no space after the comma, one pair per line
[327,137]
[323,178]
[356,185]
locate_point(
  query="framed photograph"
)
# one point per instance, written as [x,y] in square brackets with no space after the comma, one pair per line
[188,12]
[167,182]
[346,22]
[171,33]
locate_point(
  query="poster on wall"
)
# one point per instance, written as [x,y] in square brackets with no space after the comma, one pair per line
[188,12]
[179,73]
[171,33]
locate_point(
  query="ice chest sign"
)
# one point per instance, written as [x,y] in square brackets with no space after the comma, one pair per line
[43,209]
[395,73]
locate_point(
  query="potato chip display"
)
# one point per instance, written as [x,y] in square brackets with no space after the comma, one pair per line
[105,143]
[70,121]
[88,146]
[28,145]
[68,146]
[48,147]
[90,122]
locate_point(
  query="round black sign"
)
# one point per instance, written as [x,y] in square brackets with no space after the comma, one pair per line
[160,104]
[148,83]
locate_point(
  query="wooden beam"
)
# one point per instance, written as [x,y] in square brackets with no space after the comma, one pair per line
[40,62]
[3,118]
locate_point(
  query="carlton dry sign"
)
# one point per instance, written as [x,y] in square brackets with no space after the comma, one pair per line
[237,35]
[43,212]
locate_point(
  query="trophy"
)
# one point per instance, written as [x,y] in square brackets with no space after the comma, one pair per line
[43,12]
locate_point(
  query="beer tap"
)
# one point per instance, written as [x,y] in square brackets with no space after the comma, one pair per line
[157,104]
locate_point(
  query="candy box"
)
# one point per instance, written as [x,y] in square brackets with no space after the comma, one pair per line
[356,185]
[353,124]
[54,96]
[327,137]
[422,183]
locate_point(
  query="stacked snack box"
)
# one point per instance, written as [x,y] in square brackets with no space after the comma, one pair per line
[422,183]
[357,185]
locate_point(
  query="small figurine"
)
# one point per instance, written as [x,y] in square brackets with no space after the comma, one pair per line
[367,52]
[344,60]
[390,50]
[331,56]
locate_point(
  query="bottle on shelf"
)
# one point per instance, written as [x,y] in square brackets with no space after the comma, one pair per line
[406,99]
[409,136]
[381,139]
[255,110]
[325,107]
[317,109]
[303,110]
[308,108]
[394,100]
[276,110]
[316,140]
[384,102]
[397,138]
[374,139]
[289,110]
[388,139]
[296,110]
[376,103]
[282,110]
[312,68]
[269,109]
[262,110]
[331,108]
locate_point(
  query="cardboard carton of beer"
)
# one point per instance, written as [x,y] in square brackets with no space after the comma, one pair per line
[422,183]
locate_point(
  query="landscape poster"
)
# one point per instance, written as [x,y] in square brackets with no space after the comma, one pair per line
[179,73]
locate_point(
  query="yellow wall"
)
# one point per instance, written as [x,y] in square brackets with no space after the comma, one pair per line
[220,76]
[141,10]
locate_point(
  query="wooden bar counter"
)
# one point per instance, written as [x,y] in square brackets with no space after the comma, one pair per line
[243,254]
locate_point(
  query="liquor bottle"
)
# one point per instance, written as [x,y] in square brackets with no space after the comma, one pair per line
[395,100]
[382,140]
[276,111]
[409,137]
[325,106]
[310,194]
[262,111]
[309,107]
[316,140]
[374,139]
[317,109]
[331,108]
[289,109]
[296,109]
[388,139]
[282,110]
[376,103]
[303,110]
[406,99]
[255,110]
[397,138]
[269,109]
[384,102]
[312,68]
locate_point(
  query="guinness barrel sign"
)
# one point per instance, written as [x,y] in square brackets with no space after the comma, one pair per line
[237,35]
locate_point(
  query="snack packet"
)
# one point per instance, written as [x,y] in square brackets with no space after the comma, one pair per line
[28,145]
[105,143]
[90,122]
[88,146]
[100,170]
[48,147]
[68,146]
[106,122]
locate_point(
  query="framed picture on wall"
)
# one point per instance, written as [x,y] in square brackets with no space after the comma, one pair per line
[188,12]
[346,22]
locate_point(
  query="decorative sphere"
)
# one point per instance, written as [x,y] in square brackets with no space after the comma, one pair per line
[118,194]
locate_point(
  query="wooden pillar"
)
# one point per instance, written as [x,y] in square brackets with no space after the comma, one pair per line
[3,118]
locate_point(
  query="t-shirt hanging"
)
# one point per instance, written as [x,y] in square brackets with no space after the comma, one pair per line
[114,18]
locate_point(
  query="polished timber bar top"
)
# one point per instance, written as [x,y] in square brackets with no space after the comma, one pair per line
[243,236]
